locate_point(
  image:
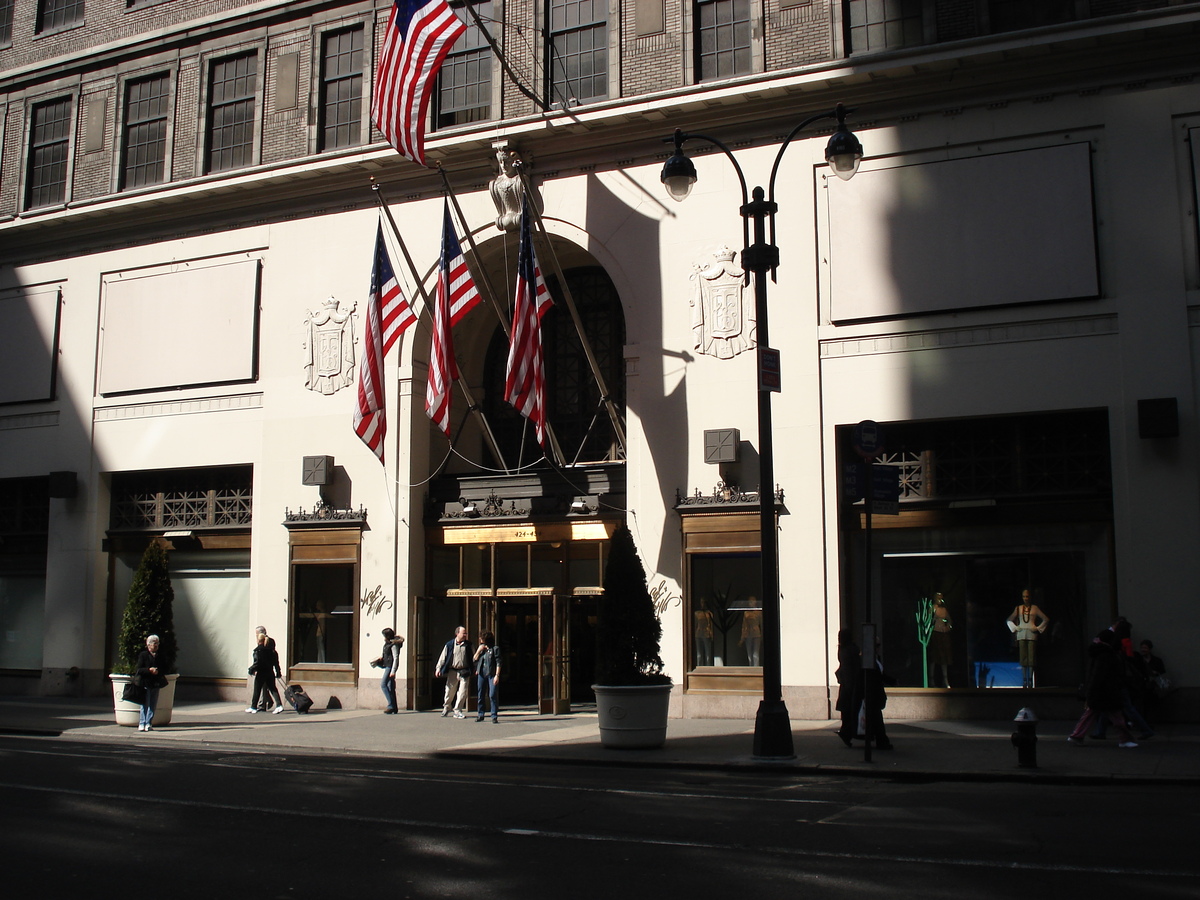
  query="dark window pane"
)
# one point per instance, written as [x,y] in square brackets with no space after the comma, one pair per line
[722,38]
[145,134]
[464,91]
[231,112]
[578,51]
[875,25]
[49,140]
[341,89]
[58,14]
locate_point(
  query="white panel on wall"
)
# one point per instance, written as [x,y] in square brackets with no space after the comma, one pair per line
[30,329]
[192,325]
[994,230]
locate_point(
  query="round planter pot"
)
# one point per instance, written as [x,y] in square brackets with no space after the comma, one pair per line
[632,717]
[128,713]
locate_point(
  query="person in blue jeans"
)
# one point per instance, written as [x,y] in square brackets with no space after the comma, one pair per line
[389,661]
[487,676]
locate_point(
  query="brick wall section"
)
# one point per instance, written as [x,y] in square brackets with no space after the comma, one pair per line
[285,133]
[652,62]
[799,34]
[523,49]
[188,119]
[94,170]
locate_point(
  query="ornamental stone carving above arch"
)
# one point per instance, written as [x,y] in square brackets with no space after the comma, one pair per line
[722,325]
[329,347]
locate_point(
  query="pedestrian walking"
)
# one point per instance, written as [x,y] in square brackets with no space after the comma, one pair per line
[487,676]
[1102,690]
[389,661]
[265,669]
[455,664]
[848,675]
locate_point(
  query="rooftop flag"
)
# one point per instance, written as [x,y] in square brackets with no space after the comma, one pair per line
[525,384]
[419,35]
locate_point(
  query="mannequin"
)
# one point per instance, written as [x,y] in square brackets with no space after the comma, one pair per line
[751,636]
[703,635]
[1027,622]
[940,653]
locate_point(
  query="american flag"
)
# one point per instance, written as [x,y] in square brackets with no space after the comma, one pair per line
[388,316]
[419,35]
[456,295]
[525,385]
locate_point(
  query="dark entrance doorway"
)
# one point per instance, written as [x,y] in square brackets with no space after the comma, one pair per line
[517,634]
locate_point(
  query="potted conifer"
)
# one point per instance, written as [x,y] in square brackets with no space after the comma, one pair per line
[632,693]
[148,611]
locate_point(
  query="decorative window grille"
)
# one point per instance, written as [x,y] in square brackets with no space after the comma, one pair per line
[144,148]
[341,88]
[723,36]
[1061,455]
[178,499]
[49,142]
[231,100]
[464,93]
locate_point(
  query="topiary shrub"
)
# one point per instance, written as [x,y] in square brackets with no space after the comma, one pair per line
[149,611]
[628,630]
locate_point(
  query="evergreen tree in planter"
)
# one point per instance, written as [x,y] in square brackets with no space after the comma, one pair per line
[628,631]
[149,611]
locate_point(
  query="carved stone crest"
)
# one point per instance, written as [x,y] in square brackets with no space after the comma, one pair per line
[329,347]
[721,325]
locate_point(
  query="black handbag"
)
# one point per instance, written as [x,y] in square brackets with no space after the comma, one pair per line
[134,693]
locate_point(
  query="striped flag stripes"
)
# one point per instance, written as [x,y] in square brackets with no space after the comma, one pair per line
[388,316]
[419,35]
[525,383]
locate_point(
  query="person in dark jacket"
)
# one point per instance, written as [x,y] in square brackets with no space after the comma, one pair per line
[848,675]
[389,661]
[487,676]
[1102,690]
[152,677]
[265,670]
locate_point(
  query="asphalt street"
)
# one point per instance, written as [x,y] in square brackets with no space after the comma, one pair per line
[109,819]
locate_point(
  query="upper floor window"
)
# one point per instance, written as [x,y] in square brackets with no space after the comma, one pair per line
[1012,15]
[464,92]
[6,17]
[873,25]
[144,139]
[49,142]
[58,14]
[577,51]
[723,37]
[341,88]
[231,99]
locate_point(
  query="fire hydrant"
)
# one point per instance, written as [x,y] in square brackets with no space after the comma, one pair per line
[1025,738]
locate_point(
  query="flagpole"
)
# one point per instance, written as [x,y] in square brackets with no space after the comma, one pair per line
[613,414]
[477,271]
[559,458]
[485,426]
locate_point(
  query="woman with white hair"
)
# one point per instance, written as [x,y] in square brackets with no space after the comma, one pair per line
[151,676]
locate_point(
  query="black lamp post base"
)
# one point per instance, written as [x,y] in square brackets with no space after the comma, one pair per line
[773,731]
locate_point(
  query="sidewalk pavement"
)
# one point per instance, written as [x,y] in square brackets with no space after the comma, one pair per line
[925,750]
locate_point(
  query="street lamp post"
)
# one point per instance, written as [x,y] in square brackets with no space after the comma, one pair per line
[772,726]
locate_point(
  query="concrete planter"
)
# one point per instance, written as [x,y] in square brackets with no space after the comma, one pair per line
[128,713]
[632,717]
